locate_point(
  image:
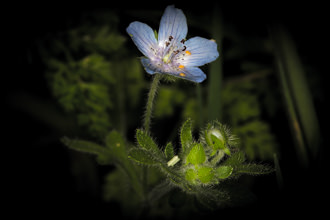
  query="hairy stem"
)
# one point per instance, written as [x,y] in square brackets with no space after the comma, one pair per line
[151,96]
[146,125]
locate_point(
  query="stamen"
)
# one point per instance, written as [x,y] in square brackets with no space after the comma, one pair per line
[181,66]
[182,74]
[188,52]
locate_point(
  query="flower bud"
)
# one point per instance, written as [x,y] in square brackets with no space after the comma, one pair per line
[216,138]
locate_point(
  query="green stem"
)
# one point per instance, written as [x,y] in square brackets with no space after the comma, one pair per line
[146,125]
[150,103]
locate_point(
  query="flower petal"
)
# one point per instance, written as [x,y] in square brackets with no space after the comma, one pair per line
[143,37]
[194,74]
[148,66]
[201,51]
[173,23]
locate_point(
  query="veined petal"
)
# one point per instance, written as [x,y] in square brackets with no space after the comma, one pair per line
[194,74]
[143,37]
[173,23]
[201,51]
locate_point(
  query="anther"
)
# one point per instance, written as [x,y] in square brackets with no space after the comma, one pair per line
[182,74]
[188,52]
[181,66]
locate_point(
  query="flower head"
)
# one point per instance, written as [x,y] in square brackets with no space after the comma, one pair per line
[171,53]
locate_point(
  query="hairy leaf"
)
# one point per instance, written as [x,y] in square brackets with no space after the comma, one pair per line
[143,157]
[196,155]
[146,142]
[103,155]
[253,169]
[169,151]
[236,159]
[205,174]
[186,135]
[223,172]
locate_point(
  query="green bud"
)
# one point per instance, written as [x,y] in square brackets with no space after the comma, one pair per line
[196,155]
[217,140]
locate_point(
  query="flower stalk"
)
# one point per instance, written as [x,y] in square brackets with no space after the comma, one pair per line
[150,103]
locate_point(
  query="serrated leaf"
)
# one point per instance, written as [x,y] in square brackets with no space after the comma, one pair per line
[169,151]
[186,134]
[103,155]
[253,169]
[223,172]
[143,157]
[146,142]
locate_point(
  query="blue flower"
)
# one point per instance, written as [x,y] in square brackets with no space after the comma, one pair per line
[171,53]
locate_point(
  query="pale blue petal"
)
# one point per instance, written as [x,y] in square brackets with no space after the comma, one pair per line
[148,66]
[194,74]
[173,23]
[202,51]
[143,37]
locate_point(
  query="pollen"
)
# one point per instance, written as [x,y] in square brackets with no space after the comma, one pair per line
[188,52]
[181,66]
[182,74]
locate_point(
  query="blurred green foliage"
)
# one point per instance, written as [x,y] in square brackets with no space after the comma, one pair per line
[243,110]
[93,76]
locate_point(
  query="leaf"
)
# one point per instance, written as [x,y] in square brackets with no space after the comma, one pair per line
[223,172]
[103,155]
[236,159]
[297,95]
[143,157]
[214,102]
[254,169]
[191,175]
[205,174]
[169,151]
[186,135]
[146,142]
[196,155]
